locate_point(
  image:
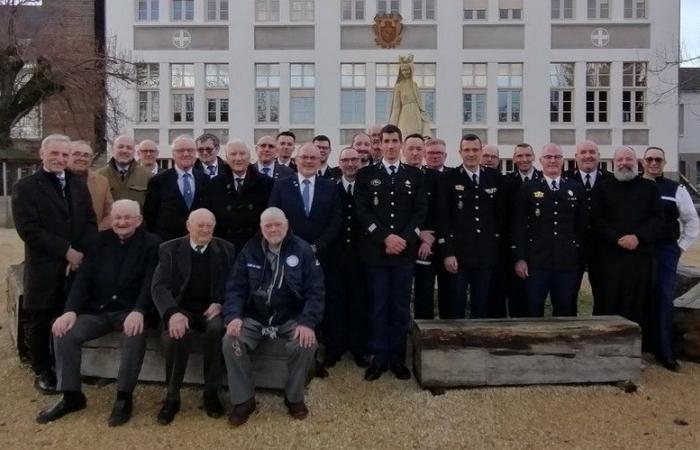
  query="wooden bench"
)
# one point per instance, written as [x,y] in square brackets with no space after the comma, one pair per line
[494,352]
[101,356]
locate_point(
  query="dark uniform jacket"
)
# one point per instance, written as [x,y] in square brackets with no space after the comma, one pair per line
[279,171]
[469,217]
[238,212]
[587,245]
[302,279]
[332,173]
[172,275]
[100,286]
[221,166]
[165,210]
[547,225]
[671,230]
[49,224]
[384,208]
[343,250]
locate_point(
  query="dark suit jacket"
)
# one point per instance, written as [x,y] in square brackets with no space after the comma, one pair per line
[322,224]
[238,213]
[49,224]
[332,173]
[221,165]
[165,210]
[99,285]
[172,275]
[279,171]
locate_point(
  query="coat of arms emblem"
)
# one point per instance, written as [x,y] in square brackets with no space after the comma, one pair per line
[387,29]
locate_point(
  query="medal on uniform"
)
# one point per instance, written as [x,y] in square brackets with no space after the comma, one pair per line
[537,212]
[376,199]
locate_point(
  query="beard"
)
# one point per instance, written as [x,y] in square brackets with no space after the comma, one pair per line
[625,173]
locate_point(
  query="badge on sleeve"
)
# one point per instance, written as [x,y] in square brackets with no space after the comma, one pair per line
[292,260]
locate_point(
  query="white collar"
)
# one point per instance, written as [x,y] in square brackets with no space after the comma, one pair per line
[193,246]
[593,175]
[386,165]
[549,181]
[181,172]
[215,164]
[470,173]
[154,171]
[530,175]
[57,175]
[270,166]
[301,179]
[347,183]
[323,168]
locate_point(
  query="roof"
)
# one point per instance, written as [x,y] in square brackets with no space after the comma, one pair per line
[17,155]
[689,79]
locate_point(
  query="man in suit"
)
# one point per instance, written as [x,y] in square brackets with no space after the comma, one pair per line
[490,157]
[514,286]
[208,160]
[547,233]
[188,290]
[238,196]
[470,211]
[53,215]
[112,292]
[436,154]
[126,178]
[391,207]
[362,144]
[173,194]
[275,291]
[286,141]
[323,144]
[266,150]
[147,151]
[375,133]
[79,163]
[590,176]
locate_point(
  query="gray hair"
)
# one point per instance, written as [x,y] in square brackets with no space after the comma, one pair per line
[131,205]
[272,213]
[55,138]
[240,142]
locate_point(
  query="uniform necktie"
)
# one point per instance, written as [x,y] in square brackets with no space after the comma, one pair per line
[239,184]
[588,182]
[306,196]
[554,185]
[392,169]
[212,171]
[187,190]
[526,179]
[266,171]
[320,173]
[199,249]
[350,189]
[475,180]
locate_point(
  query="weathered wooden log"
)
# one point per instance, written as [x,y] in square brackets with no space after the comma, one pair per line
[494,352]
[687,322]
[16,316]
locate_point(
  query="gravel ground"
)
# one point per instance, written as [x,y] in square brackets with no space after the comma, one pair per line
[347,412]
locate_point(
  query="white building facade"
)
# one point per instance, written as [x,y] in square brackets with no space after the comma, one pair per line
[511,71]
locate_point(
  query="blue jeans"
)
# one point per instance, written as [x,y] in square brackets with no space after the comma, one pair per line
[667,256]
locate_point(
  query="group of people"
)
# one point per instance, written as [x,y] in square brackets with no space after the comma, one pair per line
[235,253]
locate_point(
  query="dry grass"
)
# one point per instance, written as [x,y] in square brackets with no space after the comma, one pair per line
[347,412]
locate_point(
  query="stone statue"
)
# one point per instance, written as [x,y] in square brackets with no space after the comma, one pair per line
[407,111]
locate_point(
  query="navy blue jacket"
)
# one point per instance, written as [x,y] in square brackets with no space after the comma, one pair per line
[302,274]
[320,228]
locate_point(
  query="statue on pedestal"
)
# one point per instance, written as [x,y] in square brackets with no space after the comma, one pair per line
[407,111]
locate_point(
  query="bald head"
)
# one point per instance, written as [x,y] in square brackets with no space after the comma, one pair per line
[123,149]
[587,156]
[266,149]
[200,225]
[490,156]
[308,160]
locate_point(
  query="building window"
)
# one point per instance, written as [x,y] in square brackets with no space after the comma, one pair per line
[267,10]
[424,9]
[267,93]
[147,10]
[475,9]
[635,9]
[183,107]
[182,9]
[29,126]
[384,80]
[301,82]
[217,10]
[634,84]
[510,82]
[217,75]
[597,92]
[474,93]
[147,85]
[388,6]
[353,9]
[352,95]
[562,9]
[301,10]
[217,109]
[561,94]
[598,9]
[149,104]
[424,76]
[182,76]
[510,9]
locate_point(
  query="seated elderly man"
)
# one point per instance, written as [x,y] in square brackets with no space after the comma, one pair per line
[276,291]
[112,292]
[188,290]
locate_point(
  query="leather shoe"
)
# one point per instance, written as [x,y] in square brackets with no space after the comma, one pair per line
[45,382]
[669,364]
[63,407]
[168,411]
[362,361]
[330,360]
[297,410]
[400,371]
[121,412]
[321,371]
[240,412]
[212,404]
[373,372]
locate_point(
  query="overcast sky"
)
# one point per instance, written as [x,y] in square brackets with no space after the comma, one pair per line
[690,28]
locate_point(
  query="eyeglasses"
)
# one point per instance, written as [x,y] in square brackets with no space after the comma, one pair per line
[552,157]
[652,160]
[205,149]
[184,150]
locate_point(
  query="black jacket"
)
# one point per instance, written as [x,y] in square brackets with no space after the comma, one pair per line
[343,250]
[99,285]
[302,275]
[220,166]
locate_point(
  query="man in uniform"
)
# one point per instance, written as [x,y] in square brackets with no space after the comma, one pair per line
[547,233]
[436,154]
[375,133]
[208,160]
[470,208]
[286,141]
[391,207]
[323,144]
[266,150]
[126,178]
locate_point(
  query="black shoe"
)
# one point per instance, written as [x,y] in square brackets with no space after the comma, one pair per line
[240,412]
[400,371]
[669,364]
[45,382]
[321,371]
[121,412]
[168,411]
[362,361]
[212,404]
[373,372]
[67,405]
[330,360]
[297,410]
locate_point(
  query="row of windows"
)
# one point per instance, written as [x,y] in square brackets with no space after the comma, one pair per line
[351,10]
[353,83]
